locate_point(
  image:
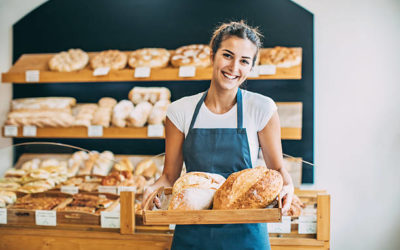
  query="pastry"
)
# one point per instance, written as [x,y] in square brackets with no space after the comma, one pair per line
[113,59]
[120,112]
[103,163]
[146,168]
[73,60]
[124,165]
[159,112]
[139,115]
[197,55]
[152,94]
[149,57]
[249,188]
[282,57]
[43,103]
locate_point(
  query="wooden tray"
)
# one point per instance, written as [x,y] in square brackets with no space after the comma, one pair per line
[231,216]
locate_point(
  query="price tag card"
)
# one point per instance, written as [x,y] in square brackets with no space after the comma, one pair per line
[95,131]
[46,218]
[101,71]
[155,130]
[254,72]
[107,189]
[69,189]
[3,215]
[307,228]
[172,226]
[29,131]
[141,72]
[267,69]
[308,218]
[110,219]
[124,188]
[283,227]
[10,130]
[187,71]
[32,75]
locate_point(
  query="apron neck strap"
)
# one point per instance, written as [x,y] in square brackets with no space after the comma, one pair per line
[239,109]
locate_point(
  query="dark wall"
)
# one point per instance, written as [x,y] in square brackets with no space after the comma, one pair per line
[95,25]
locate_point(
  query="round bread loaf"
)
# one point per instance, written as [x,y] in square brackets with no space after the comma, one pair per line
[195,191]
[197,55]
[249,188]
[113,59]
[149,57]
[282,57]
[73,60]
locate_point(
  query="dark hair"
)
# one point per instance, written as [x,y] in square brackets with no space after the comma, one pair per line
[239,29]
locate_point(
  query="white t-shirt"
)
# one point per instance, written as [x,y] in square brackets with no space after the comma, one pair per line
[257,110]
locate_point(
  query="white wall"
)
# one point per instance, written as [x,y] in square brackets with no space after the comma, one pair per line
[357,119]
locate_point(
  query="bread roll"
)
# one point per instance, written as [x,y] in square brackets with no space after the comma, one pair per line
[121,112]
[146,168]
[159,112]
[195,191]
[249,188]
[138,117]
[152,94]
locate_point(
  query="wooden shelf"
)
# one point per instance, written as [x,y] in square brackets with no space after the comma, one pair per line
[40,62]
[119,133]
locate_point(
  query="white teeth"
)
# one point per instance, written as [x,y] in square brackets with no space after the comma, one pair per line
[229,76]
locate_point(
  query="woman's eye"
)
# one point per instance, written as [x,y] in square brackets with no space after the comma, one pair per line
[226,55]
[245,62]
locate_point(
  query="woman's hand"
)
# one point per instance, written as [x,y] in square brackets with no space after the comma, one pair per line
[146,195]
[287,197]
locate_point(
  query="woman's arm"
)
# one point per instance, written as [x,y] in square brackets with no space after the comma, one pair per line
[173,160]
[270,142]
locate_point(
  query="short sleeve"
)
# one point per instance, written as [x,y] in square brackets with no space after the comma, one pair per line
[264,108]
[176,115]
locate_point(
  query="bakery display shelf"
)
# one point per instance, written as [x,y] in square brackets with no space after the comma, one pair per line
[83,132]
[153,216]
[116,133]
[39,62]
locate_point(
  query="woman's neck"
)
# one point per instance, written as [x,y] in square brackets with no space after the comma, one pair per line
[220,102]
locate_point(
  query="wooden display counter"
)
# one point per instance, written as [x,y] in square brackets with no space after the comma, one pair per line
[150,237]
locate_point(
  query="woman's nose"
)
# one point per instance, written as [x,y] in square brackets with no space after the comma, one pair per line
[234,66]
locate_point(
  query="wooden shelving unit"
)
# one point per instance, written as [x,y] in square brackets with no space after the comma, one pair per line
[119,133]
[17,73]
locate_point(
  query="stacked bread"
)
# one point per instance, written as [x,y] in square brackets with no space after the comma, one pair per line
[94,114]
[146,106]
[42,112]
[281,57]
[195,191]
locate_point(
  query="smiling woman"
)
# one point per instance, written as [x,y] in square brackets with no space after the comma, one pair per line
[220,131]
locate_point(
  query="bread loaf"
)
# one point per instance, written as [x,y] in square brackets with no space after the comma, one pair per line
[146,168]
[249,188]
[138,117]
[195,191]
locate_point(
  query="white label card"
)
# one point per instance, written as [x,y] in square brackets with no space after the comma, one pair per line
[107,189]
[95,131]
[32,75]
[254,72]
[110,219]
[124,188]
[141,72]
[155,130]
[101,71]
[187,71]
[10,130]
[29,131]
[46,218]
[172,226]
[283,227]
[3,215]
[267,69]
[307,228]
[69,189]
[308,218]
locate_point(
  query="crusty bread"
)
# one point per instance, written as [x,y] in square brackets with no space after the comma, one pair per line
[195,191]
[249,188]
[146,168]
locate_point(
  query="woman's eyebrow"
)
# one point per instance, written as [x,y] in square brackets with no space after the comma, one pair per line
[227,50]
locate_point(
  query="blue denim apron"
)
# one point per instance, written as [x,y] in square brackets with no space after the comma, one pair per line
[222,151]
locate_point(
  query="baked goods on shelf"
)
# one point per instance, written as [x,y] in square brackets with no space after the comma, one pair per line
[121,111]
[281,57]
[139,115]
[197,55]
[195,191]
[250,188]
[158,114]
[113,59]
[102,115]
[87,203]
[37,203]
[149,57]
[43,103]
[68,61]
[148,94]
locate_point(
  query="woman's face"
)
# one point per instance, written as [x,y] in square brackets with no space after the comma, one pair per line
[232,62]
